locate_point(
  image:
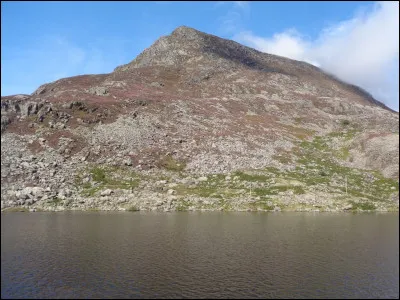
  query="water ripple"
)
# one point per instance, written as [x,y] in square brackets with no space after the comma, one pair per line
[199,255]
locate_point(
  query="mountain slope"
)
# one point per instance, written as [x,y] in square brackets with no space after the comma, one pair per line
[200,122]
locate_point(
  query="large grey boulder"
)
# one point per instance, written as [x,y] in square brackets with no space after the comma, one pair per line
[106,192]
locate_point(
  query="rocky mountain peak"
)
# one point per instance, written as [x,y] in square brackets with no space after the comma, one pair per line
[195,51]
[191,47]
[187,33]
[184,42]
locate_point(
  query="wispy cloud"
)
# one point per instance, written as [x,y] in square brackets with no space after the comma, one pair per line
[49,59]
[363,50]
[233,19]
[241,4]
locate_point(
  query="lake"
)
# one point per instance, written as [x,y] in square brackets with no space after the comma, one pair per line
[199,255]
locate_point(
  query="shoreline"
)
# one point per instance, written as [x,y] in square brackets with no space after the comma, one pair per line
[182,205]
[204,210]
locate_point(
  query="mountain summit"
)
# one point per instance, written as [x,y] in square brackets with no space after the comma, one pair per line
[196,121]
[189,48]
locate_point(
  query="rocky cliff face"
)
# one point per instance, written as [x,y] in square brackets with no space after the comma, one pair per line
[200,122]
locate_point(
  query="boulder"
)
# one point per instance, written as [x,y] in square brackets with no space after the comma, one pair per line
[29,108]
[106,192]
[98,90]
[127,161]
[37,192]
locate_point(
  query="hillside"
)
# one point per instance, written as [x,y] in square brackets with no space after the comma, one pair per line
[197,122]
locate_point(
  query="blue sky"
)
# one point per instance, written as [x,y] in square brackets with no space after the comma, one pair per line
[44,41]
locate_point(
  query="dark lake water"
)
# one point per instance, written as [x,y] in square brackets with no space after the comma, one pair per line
[199,255]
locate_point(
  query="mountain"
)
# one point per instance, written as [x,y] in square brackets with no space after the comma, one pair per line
[200,122]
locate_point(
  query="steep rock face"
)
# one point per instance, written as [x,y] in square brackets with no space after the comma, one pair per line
[191,105]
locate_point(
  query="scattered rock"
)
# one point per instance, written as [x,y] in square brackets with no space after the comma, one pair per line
[127,161]
[106,192]
[156,84]
[98,90]
[348,207]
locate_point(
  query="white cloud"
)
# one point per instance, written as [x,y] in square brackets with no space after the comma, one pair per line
[363,50]
[289,44]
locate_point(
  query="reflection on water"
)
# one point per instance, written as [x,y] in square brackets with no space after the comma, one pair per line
[199,255]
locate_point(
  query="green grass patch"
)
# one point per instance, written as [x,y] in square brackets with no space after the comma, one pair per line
[98,174]
[298,190]
[272,170]
[251,177]
[298,132]
[344,122]
[362,205]
[91,191]
[298,120]
[225,204]
[275,190]
[55,201]
[171,164]
[182,206]
[284,159]
[16,209]
[200,190]
[264,204]
[93,209]
[132,208]
[343,153]
[106,177]
[346,135]
[316,167]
